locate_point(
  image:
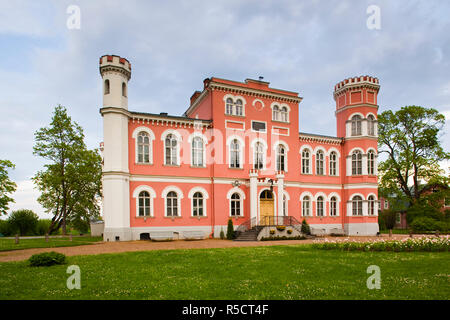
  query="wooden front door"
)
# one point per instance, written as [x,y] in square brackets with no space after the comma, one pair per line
[266,208]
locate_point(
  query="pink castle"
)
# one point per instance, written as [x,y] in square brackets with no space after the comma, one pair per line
[236,153]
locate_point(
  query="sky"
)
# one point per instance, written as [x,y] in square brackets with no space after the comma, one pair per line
[48,58]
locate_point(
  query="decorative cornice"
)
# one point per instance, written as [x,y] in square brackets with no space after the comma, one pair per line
[159,120]
[254,92]
[321,139]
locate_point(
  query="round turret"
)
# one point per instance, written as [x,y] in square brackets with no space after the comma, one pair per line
[115,72]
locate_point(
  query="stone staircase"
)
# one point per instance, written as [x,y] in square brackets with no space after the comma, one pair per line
[249,235]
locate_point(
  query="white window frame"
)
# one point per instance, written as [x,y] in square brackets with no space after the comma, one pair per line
[205,195]
[152,193]
[179,197]
[151,135]
[242,198]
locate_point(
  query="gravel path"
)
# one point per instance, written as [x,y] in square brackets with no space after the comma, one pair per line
[115,247]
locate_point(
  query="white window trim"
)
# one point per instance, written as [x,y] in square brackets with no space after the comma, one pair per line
[324,197]
[136,193]
[233,109]
[311,199]
[338,202]
[308,147]
[205,142]
[151,138]
[286,147]
[241,202]
[251,126]
[241,151]
[253,146]
[205,197]
[179,141]
[338,161]
[179,197]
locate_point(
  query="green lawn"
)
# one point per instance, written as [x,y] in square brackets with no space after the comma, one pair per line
[9,244]
[275,272]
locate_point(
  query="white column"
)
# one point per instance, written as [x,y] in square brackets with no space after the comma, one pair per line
[349,208]
[364,165]
[253,193]
[280,177]
[364,127]
[348,168]
[365,208]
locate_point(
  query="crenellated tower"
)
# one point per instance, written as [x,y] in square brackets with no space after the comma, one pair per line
[356,117]
[115,72]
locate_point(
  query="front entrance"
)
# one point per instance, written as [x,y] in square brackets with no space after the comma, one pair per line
[266,208]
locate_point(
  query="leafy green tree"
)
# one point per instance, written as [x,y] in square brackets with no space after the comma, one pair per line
[23,221]
[410,140]
[389,217]
[70,185]
[6,185]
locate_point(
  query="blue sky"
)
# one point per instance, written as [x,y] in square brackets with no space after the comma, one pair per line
[303,46]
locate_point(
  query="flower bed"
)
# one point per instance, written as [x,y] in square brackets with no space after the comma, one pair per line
[416,244]
[282,238]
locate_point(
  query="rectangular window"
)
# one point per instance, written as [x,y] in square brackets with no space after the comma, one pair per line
[258,126]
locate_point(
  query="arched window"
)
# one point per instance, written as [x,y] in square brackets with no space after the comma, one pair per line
[319,162]
[371,125]
[144,204]
[171,147]
[229,106]
[357,206]
[306,206]
[319,204]
[235,205]
[275,113]
[306,161]
[239,107]
[333,163]
[281,158]
[356,125]
[235,154]
[197,204]
[356,162]
[172,204]
[333,206]
[371,200]
[259,156]
[371,162]
[197,152]
[143,142]
[124,89]
[284,114]
[107,87]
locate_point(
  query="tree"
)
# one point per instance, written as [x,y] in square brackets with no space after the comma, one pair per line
[6,185]
[71,184]
[23,221]
[305,227]
[410,139]
[230,230]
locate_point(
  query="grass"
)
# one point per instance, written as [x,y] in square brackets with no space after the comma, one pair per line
[9,244]
[274,272]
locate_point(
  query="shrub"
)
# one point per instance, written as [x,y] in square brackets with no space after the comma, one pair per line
[272,231]
[281,228]
[416,244]
[418,211]
[289,231]
[23,222]
[46,259]
[305,227]
[425,224]
[230,230]
[222,234]
[282,238]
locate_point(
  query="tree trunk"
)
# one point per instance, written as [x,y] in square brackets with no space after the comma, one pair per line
[390,233]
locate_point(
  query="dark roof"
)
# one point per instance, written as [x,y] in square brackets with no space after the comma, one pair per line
[164,115]
[319,135]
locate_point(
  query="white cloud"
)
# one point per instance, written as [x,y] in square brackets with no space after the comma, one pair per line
[26,197]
